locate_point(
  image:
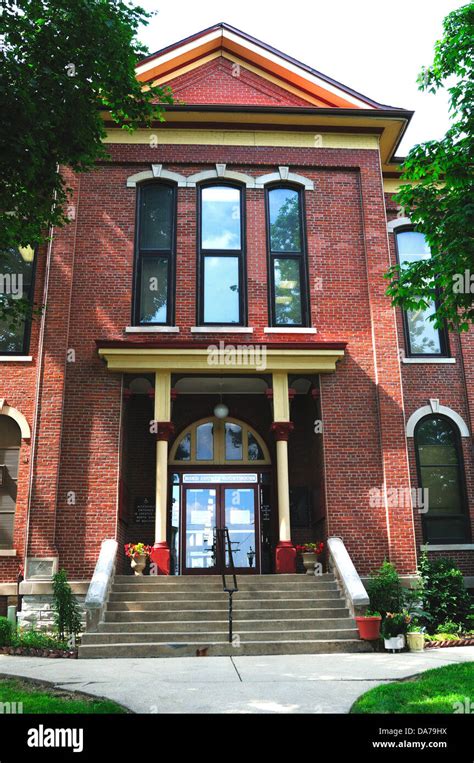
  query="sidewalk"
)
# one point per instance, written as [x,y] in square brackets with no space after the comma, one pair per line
[275,684]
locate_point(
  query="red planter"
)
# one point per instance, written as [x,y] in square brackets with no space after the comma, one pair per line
[369,627]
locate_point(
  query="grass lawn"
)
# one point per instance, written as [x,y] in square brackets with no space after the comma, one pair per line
[435,691]
[37,698]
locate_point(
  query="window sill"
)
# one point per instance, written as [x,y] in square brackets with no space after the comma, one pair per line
[448,547]
[429,360]
[16,358]
[7,551]
[221,330]
[152,330]
[288,330]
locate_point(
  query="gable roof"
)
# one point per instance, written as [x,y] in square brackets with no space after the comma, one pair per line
[223,40]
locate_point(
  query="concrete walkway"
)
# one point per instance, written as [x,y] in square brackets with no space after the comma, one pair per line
[295,684]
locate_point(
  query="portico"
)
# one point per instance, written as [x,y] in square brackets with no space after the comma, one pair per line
[166,362]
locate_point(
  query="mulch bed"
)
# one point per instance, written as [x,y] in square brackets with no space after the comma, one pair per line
[468,641]
[27,651]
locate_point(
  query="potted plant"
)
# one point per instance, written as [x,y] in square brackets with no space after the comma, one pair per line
[394,628]
[138,553]
[369,625]
[415,636]
[310,553]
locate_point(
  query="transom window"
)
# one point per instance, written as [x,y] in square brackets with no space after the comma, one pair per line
[289,301]
[155,262]
[422,338]
[16,283]
[218,441]
[221,262]
[440,470]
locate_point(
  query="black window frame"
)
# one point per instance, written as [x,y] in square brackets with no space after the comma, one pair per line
[464,514]
[203,253]
[442,332]
[29,294]
[302,257]
[141,254]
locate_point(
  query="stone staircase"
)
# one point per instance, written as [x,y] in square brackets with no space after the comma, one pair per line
[188,616]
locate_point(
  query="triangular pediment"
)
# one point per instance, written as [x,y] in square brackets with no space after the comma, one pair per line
[222,65]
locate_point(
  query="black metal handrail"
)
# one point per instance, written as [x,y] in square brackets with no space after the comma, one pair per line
[223,543]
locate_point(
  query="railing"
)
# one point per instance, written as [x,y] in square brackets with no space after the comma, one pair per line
[98,592]
[341,563]
[223,544]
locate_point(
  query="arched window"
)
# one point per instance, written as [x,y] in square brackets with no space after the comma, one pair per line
[217,441]
[440,471]
[221,261]
[155,254]
[422,338]
[289,303]
[10,441]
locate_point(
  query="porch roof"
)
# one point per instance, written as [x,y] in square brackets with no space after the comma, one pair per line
[212,357]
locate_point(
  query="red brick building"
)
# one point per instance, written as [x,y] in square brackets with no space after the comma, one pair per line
[216,347]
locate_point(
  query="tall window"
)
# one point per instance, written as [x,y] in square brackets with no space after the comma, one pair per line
[155,263]
[440,470]
[422,338]
[16,283]
[287,260]
[10,441]
[221,261]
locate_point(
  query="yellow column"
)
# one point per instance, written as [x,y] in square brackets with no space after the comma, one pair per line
[285,561]
[163,428]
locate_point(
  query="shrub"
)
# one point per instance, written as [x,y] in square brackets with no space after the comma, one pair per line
[444,597]
[30,638]
[385,590]
[6,631]
[67,612]
[449,627]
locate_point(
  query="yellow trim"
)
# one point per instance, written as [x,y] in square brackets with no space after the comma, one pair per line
[243,138]
[391,185]
[126,360]
[219,458]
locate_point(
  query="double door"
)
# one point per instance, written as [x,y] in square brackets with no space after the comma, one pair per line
[207,507]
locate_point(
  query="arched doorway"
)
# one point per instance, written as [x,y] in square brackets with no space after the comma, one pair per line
[221,477]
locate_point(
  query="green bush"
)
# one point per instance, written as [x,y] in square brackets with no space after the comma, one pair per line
[385,590]
[395,624]
[444,597]
[6,632]
[31,638]
[67,612]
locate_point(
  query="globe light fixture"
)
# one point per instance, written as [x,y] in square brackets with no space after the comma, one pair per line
[221,411]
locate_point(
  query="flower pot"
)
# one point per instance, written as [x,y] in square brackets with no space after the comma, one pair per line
[416,641]
[138,564]
[309,561]
[396,642]
[369,627]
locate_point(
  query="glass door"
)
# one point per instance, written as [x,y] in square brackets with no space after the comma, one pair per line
[239,515]
[207,507]
[200,516]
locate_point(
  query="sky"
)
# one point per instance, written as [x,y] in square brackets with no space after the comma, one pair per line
[374,46]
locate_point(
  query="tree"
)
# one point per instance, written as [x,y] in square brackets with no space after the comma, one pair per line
[67,612]
[438,195]
[61,64]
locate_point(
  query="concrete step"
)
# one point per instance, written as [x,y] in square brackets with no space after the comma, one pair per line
[221,649]
[160,615]
[195,626]
[216,580]
[218,636]
[204,596]
[136,605]
[314,588]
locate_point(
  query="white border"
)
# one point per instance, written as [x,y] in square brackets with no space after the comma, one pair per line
[428,410]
